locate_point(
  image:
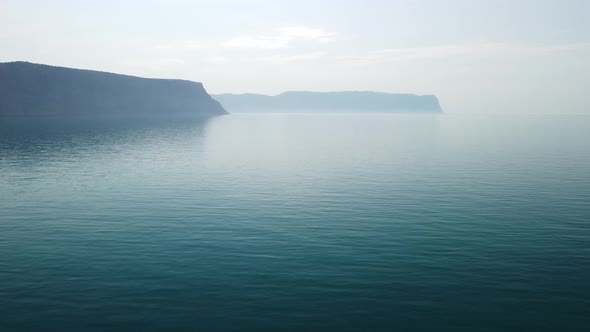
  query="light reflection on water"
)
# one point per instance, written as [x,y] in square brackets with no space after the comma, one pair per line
[296,221]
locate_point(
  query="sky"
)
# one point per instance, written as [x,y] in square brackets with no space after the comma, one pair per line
[494,56]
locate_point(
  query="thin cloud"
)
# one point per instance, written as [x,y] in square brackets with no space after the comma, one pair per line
[480,50]
[459,51]
[262,42]
[285,59]
[182,45]
[219,59]
[306,33]
[282,39]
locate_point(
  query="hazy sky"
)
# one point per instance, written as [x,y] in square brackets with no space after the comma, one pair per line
[477,56]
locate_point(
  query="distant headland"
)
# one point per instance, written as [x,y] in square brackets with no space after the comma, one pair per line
[33,90]
[36,90]
[345,101]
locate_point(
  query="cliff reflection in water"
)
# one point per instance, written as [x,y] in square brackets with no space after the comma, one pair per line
[28,141]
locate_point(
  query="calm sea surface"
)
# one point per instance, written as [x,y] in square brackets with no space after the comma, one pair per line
[324,222]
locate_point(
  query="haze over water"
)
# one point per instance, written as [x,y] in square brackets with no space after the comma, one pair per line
[297,222]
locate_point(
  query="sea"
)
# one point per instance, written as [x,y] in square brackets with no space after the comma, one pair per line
[296,222]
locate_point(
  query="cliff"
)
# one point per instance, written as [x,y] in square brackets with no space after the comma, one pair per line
[32,90]
[346,101]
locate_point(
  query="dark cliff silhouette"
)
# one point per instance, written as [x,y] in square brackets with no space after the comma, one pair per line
[33,90]
[345,101]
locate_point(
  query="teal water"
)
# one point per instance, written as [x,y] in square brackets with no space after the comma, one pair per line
[324,222]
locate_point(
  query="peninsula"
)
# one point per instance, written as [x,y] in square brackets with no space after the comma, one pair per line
[34,90]
[345,101]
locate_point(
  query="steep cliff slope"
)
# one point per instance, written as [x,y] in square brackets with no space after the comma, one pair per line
[28,89]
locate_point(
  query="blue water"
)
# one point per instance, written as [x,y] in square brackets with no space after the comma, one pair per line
[306,222]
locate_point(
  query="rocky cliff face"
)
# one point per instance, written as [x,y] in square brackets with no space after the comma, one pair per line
[331,101]
[28,89]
